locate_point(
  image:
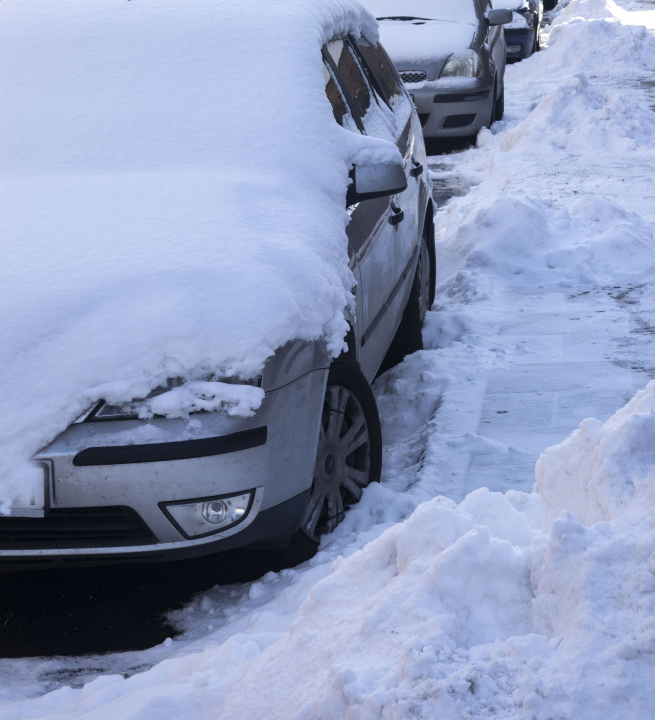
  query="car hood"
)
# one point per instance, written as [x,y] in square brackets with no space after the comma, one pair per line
[172,188]
[412,43]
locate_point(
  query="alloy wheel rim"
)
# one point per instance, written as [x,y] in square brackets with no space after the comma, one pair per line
[343,461]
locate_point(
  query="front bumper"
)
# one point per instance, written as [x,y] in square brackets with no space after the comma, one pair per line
[520,43]
[90,466]
[455,109]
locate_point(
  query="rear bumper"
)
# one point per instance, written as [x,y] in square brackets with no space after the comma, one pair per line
[454,110]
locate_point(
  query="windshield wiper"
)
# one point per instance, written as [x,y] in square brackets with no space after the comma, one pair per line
[407,18]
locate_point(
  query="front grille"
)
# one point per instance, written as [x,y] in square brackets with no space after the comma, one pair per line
[67,528]
[414,77]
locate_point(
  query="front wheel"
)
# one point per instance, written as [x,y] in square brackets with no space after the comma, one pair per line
[349,454]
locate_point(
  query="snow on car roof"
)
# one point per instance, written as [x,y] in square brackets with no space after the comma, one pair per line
[172,195]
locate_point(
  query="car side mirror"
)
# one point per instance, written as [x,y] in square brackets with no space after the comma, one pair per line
[501,16]
[375,180]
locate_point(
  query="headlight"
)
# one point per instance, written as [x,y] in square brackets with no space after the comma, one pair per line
[464,64]
[130,411]
[206,516]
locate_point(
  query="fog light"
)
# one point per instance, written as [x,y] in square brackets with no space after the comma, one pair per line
[204,516]
[215,511]
[514,48]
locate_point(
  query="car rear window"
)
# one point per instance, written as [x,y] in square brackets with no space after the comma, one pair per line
[382,69]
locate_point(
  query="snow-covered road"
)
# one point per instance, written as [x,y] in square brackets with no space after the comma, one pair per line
[545,316]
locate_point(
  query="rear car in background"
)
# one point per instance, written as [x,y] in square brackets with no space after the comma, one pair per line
[451,55]
[119,485]
[523,34]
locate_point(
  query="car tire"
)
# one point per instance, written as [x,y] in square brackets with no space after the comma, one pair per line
[492,114]
[500,106]
[550,4]
[349,453]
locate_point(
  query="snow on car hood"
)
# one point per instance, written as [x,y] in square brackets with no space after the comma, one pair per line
[172,187]
[457,11]
[409,42]
[450,28]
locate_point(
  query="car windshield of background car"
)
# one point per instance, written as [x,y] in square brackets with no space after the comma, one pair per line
[460,11]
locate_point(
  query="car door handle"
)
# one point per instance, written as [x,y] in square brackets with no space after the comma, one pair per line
[397,215]
[417,169]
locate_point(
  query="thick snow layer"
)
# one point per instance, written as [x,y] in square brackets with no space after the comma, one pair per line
[461,11]
[411,42]
[491,602]
[171,188]
[407,42]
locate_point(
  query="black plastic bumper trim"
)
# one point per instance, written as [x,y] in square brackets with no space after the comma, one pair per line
[462,97]
[162,452]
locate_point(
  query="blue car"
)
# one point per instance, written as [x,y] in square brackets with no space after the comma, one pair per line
[523,34]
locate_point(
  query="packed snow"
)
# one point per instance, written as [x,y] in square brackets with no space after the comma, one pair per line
[505,565]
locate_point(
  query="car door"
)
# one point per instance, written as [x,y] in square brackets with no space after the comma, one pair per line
[497,46]
[371,231]
[390,90]
[383,231]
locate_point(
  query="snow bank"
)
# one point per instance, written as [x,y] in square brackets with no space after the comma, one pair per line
[472,610]
[171,188]
[603,471]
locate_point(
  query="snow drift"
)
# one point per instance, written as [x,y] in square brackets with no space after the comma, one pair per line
[509,606]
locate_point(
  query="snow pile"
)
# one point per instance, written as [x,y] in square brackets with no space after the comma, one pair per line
[163,215]
[465,610]
[603,471]
[618,49]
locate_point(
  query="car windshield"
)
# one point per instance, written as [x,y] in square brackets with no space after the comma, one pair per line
[462,11]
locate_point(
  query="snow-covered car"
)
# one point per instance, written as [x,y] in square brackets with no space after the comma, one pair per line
[451,55]
[523,34]
[201,291]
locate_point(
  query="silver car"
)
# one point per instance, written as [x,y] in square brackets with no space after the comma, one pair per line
[313,445]
[451,55]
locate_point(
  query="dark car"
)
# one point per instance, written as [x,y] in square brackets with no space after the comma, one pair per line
[523,34]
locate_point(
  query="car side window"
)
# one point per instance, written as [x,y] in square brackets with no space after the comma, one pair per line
[333,92]
[382,70]
[350,75]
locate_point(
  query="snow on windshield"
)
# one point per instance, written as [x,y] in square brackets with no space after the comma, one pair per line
[461,11]
[172,193]
[407,42]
